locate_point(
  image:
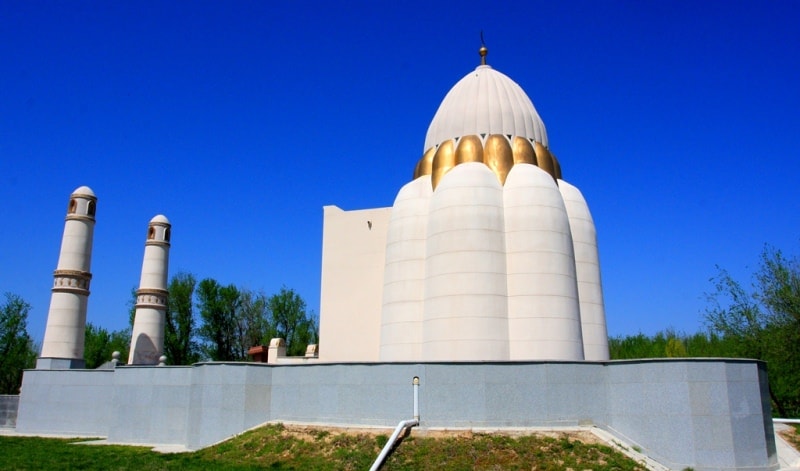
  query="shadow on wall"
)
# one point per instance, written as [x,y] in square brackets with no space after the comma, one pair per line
[144,351]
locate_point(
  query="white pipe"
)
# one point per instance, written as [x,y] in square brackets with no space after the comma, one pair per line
[787,421]
[415,382]
[399,429]
[389,444]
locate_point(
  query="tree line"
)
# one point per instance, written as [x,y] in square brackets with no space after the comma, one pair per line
[205,321]
[209,321]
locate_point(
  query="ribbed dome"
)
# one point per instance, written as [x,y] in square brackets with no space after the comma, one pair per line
[485,102]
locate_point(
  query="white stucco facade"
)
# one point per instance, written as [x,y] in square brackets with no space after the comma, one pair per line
[353,254]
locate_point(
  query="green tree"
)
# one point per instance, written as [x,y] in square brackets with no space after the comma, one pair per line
[17,350]
[675,348]
[99,344]
[671,344]
[764,323]
[219,306]
[735,314]
[253,321]
[180,345]
[291,322]
[132,308]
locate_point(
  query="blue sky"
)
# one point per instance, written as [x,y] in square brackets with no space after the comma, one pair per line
[678,120]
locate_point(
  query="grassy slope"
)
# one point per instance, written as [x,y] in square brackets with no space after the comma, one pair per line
[277,447]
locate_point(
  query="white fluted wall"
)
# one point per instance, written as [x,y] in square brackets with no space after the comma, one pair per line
[543,311]
[587,264]
[404,275]
[465,314]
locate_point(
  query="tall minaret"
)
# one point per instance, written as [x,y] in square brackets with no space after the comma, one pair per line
[66,321]
[147,341]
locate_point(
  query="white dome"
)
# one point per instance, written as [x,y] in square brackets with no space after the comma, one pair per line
[160,218]
[83,191]
[485,101]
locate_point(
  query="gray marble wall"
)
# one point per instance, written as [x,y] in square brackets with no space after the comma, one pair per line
[8,410]
[704,414]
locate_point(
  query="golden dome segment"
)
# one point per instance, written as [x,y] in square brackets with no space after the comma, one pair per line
[556,167]
[498,156]
[497,151]
[425,164]
[522,151]
[443,161]
[469,149]
[544,159]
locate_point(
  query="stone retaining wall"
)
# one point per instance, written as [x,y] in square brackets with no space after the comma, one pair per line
[700,413]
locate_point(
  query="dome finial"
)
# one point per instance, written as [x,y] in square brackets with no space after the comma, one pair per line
[483,51]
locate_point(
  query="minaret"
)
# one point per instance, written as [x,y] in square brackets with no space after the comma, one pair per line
[147,340]
[62,347]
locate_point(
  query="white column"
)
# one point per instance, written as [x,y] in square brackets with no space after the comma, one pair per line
[465,315]
[543,312]
[587,265]
[66,320]
[147,339]
[404,276]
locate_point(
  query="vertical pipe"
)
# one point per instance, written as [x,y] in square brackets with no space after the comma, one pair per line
[416,398]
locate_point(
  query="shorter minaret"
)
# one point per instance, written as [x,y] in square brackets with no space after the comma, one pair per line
[62,347]
[147,340]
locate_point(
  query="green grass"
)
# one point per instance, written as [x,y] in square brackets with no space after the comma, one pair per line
[279,447]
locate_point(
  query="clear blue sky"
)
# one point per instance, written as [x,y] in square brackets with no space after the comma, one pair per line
[679,121]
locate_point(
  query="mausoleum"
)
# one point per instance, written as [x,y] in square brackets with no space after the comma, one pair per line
[488,254]
[480,287]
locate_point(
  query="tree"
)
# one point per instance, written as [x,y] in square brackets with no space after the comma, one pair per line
[218,309]
[291,322]
[668,343]
[765,323]
[132,307]
[17,350]
[234,320]
[675,348]
[99,344]
[735,314]
[180,346]
[253,326]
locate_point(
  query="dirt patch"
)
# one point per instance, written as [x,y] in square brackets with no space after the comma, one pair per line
[317,432]
[791,436]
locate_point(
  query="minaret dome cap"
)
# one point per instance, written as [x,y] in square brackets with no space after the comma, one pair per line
[83,191]
[161,219]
